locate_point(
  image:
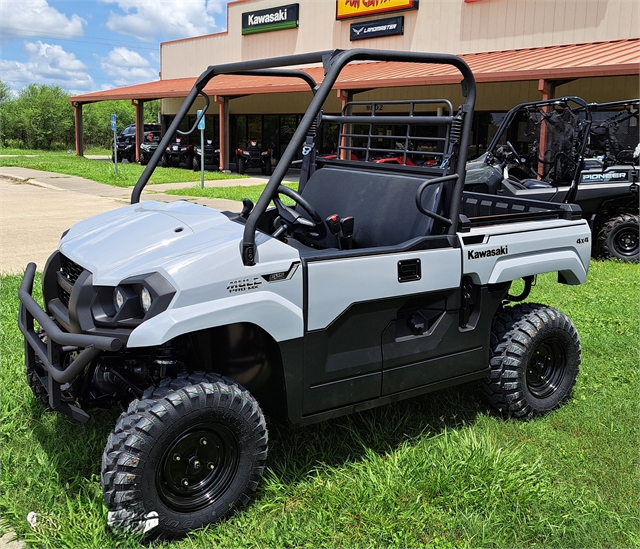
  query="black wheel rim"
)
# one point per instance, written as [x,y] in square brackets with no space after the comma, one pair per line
[198,467]
[626,241]
[546,368]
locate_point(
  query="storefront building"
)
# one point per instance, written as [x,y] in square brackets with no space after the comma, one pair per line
[519,50]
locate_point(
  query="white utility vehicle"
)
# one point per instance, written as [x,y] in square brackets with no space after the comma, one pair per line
[384,281]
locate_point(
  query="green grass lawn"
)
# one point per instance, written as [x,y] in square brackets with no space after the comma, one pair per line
[101,171]
[435,471]
[252,192]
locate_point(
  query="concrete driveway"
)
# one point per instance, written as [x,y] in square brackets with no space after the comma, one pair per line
[37,207]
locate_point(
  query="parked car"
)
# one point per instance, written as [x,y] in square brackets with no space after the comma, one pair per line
[551,165]
[126,141]
[254,156]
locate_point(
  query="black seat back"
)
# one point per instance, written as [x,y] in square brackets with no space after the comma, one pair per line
[383,204]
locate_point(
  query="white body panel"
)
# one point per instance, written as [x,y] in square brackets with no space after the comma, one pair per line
[336,284]
[201,261]
[514,250]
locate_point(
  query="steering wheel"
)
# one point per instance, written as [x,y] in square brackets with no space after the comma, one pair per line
[292,221]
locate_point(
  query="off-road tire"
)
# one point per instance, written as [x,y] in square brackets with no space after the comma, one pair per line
[188,161]
[619,238]
[165,162]
[144,159]
[187,454]
[268,168]
[242,165]
[196,163]
[535,359]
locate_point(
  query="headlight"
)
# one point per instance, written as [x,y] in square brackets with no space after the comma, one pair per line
[145,299]
[135,299]
[118,299]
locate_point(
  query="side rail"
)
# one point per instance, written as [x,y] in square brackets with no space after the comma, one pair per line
[485,209]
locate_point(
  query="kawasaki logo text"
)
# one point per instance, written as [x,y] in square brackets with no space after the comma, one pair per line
[280,15]
[502,250]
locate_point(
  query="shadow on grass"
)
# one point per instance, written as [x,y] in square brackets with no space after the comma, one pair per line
[75,450]
[295,453]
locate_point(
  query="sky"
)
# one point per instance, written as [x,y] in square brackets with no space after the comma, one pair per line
[91,45]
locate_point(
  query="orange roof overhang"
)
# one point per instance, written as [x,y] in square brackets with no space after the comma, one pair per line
[614,58]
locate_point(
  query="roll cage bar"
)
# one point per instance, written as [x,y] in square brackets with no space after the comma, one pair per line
[565,102]
[333,63]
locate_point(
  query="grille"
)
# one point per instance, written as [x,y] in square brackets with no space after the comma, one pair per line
[70,271]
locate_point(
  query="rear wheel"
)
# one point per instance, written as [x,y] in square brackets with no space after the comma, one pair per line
[619,237]
[242,165]
[186,455]
[535,360]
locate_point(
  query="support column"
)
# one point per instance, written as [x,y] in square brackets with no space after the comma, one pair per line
[223,136]
[139,105]
[79,129]
[547,88]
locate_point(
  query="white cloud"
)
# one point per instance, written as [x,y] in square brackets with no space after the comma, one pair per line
[147,19]
[47,64]
[31,18]
[126,67]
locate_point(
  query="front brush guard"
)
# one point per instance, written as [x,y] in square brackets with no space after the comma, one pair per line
[49,352]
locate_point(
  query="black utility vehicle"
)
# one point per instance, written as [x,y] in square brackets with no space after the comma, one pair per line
[254,157]
[211,156]
[383,282]
[126,142]
[564,150]
[178,152]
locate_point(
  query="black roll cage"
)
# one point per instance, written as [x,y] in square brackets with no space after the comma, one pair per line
[565,102]
[333,62]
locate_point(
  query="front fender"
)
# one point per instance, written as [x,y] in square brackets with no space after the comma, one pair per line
[275,315]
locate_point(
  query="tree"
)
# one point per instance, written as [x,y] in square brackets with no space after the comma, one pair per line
[40,118]
[5,92]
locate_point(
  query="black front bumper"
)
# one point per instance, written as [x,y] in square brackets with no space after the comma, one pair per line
[49,353]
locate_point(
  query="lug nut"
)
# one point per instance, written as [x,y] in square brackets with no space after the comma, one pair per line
[185,482]
[212,466]
[196,464]
[203,441]
[176,457]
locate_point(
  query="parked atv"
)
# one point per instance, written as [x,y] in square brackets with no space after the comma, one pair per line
[211,156]
[178,152]
[549,164]
[126,141]
[253,157]
[151,141]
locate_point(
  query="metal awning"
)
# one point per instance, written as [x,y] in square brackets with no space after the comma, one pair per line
[613,58]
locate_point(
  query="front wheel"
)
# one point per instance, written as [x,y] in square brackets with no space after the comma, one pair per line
[619,238]
[196,164]
[535,360]
[186,455]
[242,165]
